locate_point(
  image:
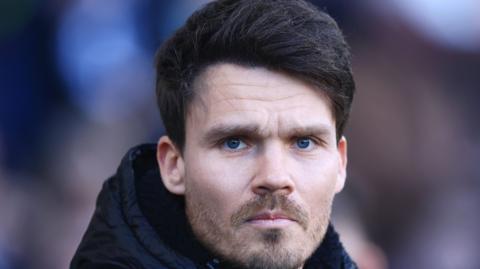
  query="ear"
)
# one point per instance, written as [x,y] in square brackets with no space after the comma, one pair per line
[171,166]
[342,164]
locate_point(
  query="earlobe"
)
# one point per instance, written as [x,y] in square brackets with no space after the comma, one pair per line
[171,166]
[342,164]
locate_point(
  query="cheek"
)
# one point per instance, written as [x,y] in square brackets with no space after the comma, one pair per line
[219,184]
[319,170]
[316,182]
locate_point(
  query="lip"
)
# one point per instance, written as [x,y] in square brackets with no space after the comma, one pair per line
[270,219]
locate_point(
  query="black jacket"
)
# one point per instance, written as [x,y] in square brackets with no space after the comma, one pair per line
[137,223]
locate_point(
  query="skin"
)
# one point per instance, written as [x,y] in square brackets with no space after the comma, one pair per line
[260,167]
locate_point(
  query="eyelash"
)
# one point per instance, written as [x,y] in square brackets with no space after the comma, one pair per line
[226,140]
[313,139]
[221,143]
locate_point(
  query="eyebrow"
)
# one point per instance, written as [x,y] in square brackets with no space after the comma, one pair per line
[225,130]
[253,130]
[318,130]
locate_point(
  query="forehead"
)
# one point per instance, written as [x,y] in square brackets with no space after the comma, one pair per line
[234,85]
[232,92]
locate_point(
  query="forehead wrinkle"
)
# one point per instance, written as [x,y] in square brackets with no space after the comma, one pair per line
[231,88]
[270,124]
[231,99]
[259,98]
[205,104]
[211,88]
[214,78]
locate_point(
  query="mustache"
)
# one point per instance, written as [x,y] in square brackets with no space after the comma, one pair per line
[270,202]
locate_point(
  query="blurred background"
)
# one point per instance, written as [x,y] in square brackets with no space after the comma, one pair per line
[77,91]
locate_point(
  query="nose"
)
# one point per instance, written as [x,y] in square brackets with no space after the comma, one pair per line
[273,172]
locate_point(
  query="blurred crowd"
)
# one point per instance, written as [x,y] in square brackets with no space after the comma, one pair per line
[77,90]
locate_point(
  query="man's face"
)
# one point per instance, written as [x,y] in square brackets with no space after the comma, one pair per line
[261,166]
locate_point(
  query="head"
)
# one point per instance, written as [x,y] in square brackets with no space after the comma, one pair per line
[254,96]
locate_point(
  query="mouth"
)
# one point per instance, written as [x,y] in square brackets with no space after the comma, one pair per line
[270,220]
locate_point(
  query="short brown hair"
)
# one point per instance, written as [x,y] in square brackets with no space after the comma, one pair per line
[291,36]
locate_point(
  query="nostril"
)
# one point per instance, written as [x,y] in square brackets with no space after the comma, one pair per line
[263,188]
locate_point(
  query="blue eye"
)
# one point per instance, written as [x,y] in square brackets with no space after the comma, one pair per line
[303,143]
[234,144]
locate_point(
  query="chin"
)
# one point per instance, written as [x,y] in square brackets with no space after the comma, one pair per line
[269,249]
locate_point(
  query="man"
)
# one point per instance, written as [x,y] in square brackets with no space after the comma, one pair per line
[254,96]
